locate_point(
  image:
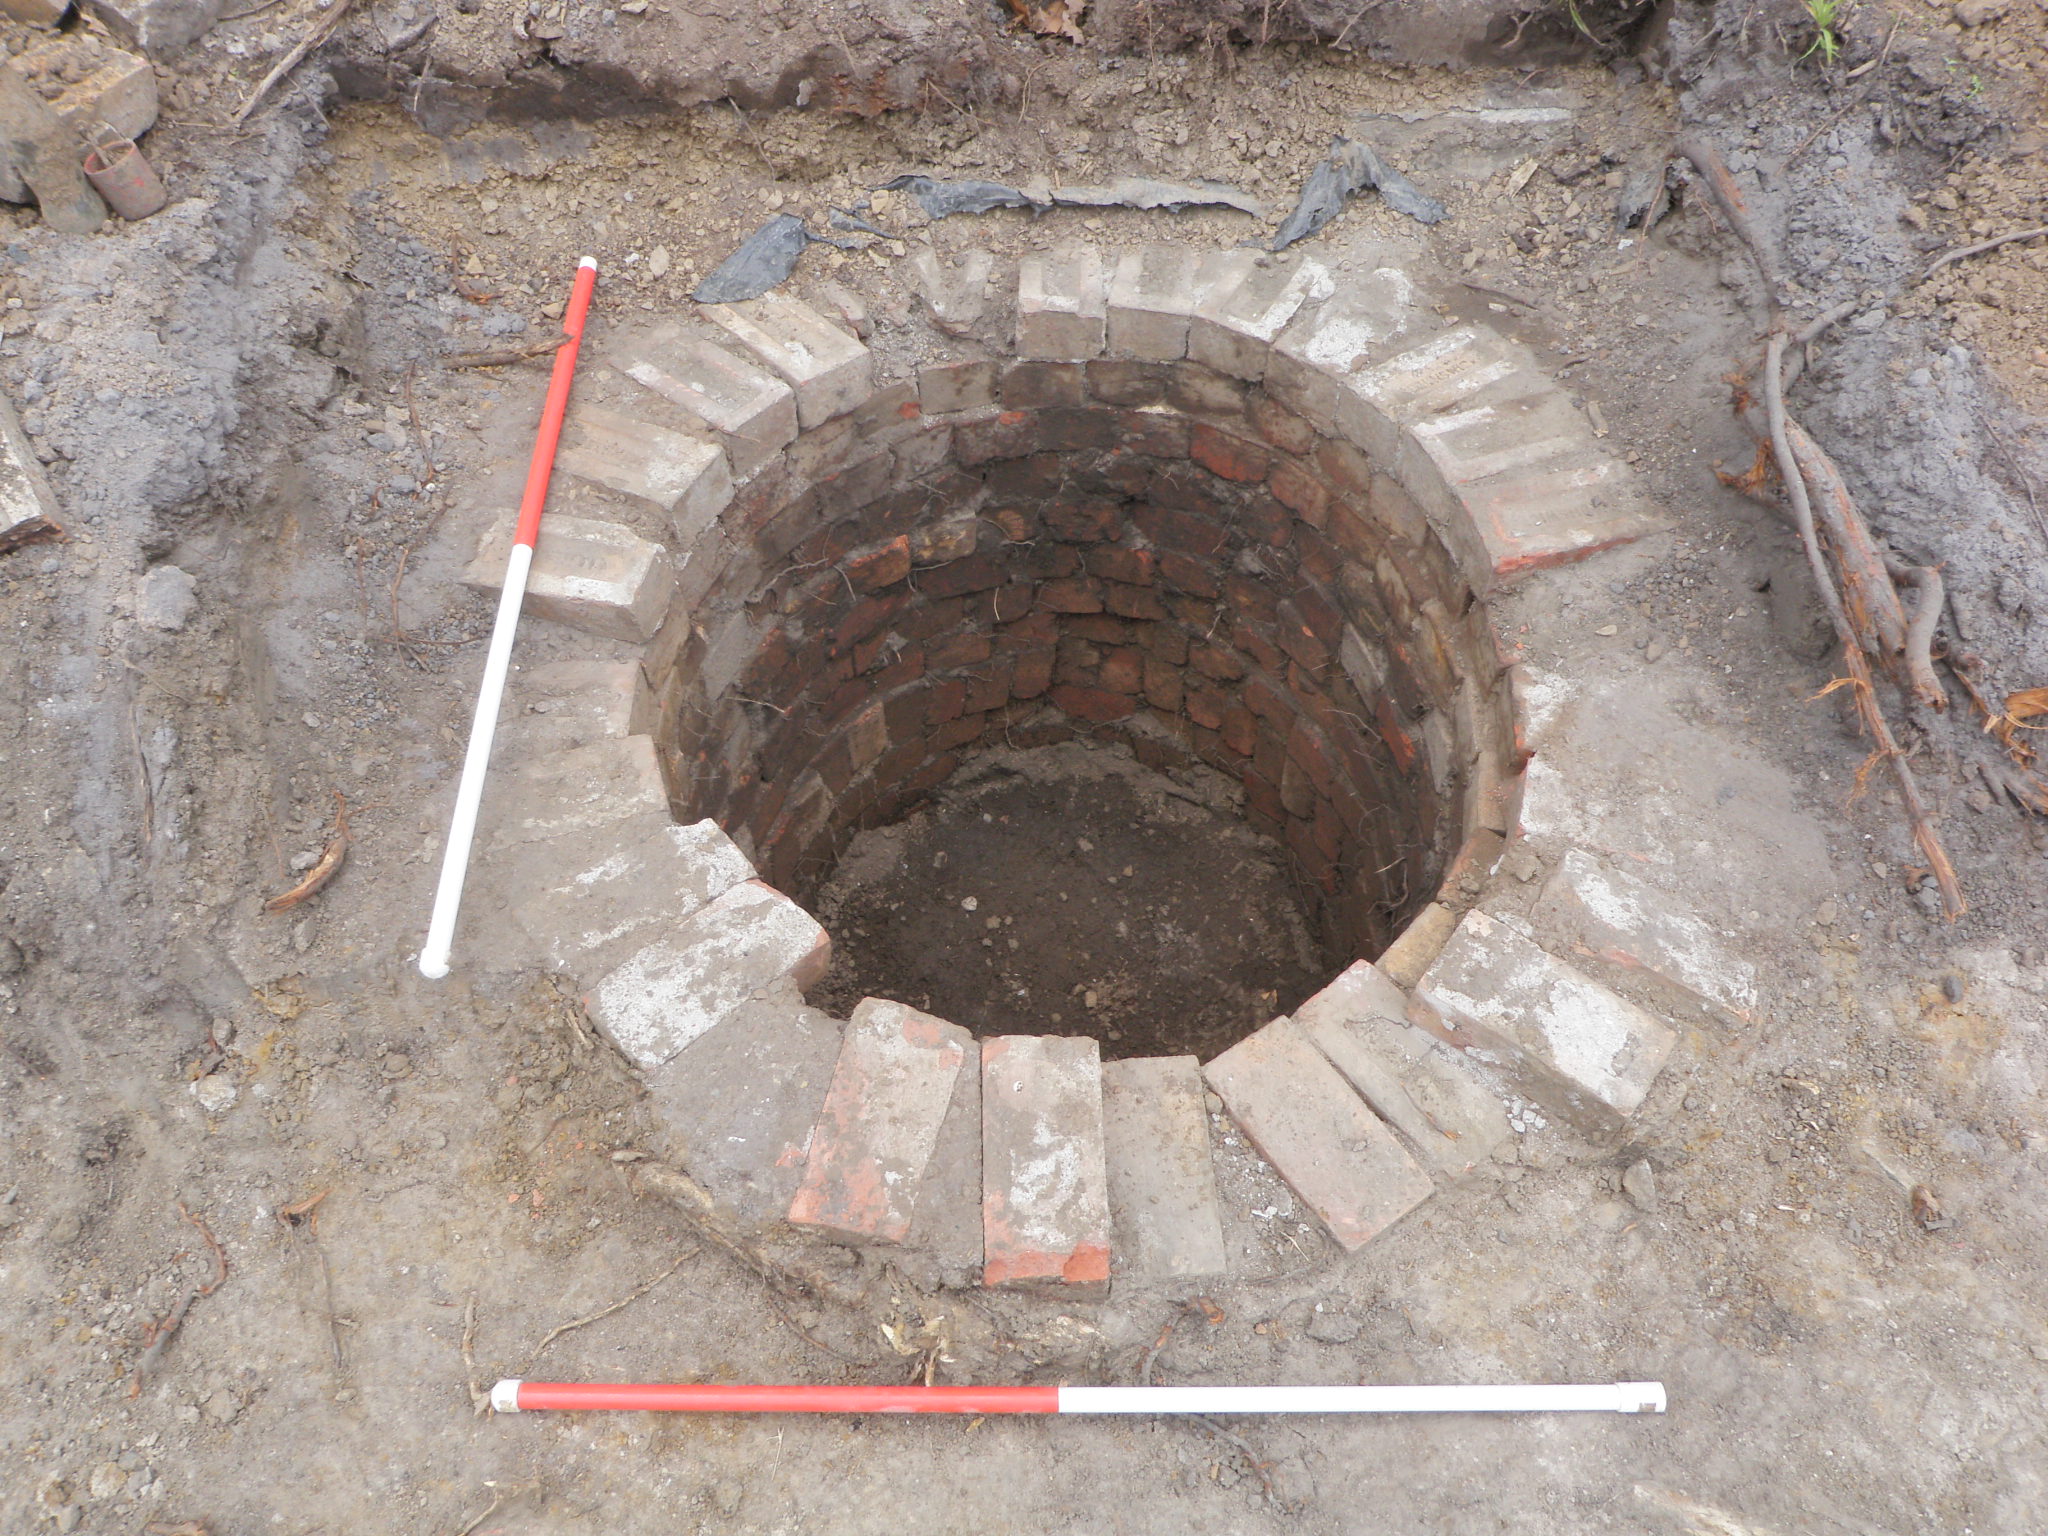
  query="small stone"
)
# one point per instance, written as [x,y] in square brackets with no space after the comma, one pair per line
[1951,984]
[1639,1183]
[658,258]
[1825,914]
[1929,897]
[68,1517]
[969,903]
[216,1092]
[222,1407]
[1981,13]
[108,1479]
[165,598]
[1654,652]
[1332,1325]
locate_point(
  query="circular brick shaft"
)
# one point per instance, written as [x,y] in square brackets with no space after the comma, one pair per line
[1151,554]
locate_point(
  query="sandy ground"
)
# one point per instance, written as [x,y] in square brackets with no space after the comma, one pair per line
[245,387]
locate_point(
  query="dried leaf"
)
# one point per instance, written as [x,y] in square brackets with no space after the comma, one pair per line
[1051,18]
[2027,703]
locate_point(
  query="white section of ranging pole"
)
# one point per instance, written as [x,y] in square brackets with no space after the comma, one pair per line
[469,791]
[1617,1397]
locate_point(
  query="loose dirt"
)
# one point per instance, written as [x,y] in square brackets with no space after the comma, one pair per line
[246,387]
[1049,892]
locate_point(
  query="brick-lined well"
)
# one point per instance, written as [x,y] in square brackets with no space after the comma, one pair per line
[1154,554]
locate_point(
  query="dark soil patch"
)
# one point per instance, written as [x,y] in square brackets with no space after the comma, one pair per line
[1065,891]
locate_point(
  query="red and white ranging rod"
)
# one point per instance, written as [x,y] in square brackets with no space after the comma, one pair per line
[1615,1397]
[469,790]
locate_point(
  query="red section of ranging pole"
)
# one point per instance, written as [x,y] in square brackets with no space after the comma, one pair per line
[542,468]
[693,1398]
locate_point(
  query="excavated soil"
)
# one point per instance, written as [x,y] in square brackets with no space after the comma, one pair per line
[247,386]
[1044,894]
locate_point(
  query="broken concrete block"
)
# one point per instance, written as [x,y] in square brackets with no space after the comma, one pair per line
[1566,1041]
[830,371]
[588,900]
[956,295]
[739,1103]
[597,577]
[880,1124]
[752,411]
[28,507]
[1413,1081]
[1162,1185]
[602,784]
[158,27]
[1152,293]
[1045,1196]
[1334,1153]
[1616,921]
[1235,322]
[1062,305]
[687,477]
[752,941]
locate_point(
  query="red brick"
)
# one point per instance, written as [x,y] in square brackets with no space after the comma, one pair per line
[957,733]
[1155,434]
[1194,577]
[932,618]
[1083,519]
[1348,470]
[945,701]
[975,573]
[1258,642]
[1008,435]
[865,618]
[1018,524]
[1262,800]
[1132,602]
[1162,684]
[1296,792]
[1398,741]
[1123,670]
[906,667]
[1194,615]
[1091,703]
[1205,706]
[989,687]
[959,651]
[1102,628]
[1045,561]
[1240,730]
[1215,661]
[1040,628]
[1171,529]
[1120,381]
[1011,602]
[1032,674]
[1264,700]
[1300,492]
[1222,454]
[1280,426]
[1033,385]
[1298,639]
[1168,643]
[1269,752]
[1115,562]
[1072,595]
[1319,559]
[1261,516]
[896,764]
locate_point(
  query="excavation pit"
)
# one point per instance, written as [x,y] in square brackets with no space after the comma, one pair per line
[1156,560]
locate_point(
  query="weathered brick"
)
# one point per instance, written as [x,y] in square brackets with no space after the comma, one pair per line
[597,577]
[1115,381]
[1030,386]
[1583,1052]
[976,573]
[1236,322]
[947,387]
[1032,674]
[1335,1154]
[1152,292]
[1123,670]
[1162,1185]
[1616,922]
[878,568]
[1223,454]
[1045,1198]
[751,939]
[1079,594]
[1189,574]
[1006,435]
[1413,1081]
[1216,661]
[1095,704]
[1136,603]
[1162,684]
[754,413]
[880,1123]
[686,477]
[955,293]
[1134,567]
[957,733]
[1295,488]
[988,687]
[830,371]
[1061,304]
[1205,706]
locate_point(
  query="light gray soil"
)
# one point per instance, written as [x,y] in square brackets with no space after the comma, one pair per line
[245,387]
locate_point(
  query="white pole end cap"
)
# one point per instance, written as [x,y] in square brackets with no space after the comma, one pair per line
[505,1396]
[1641,1396]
